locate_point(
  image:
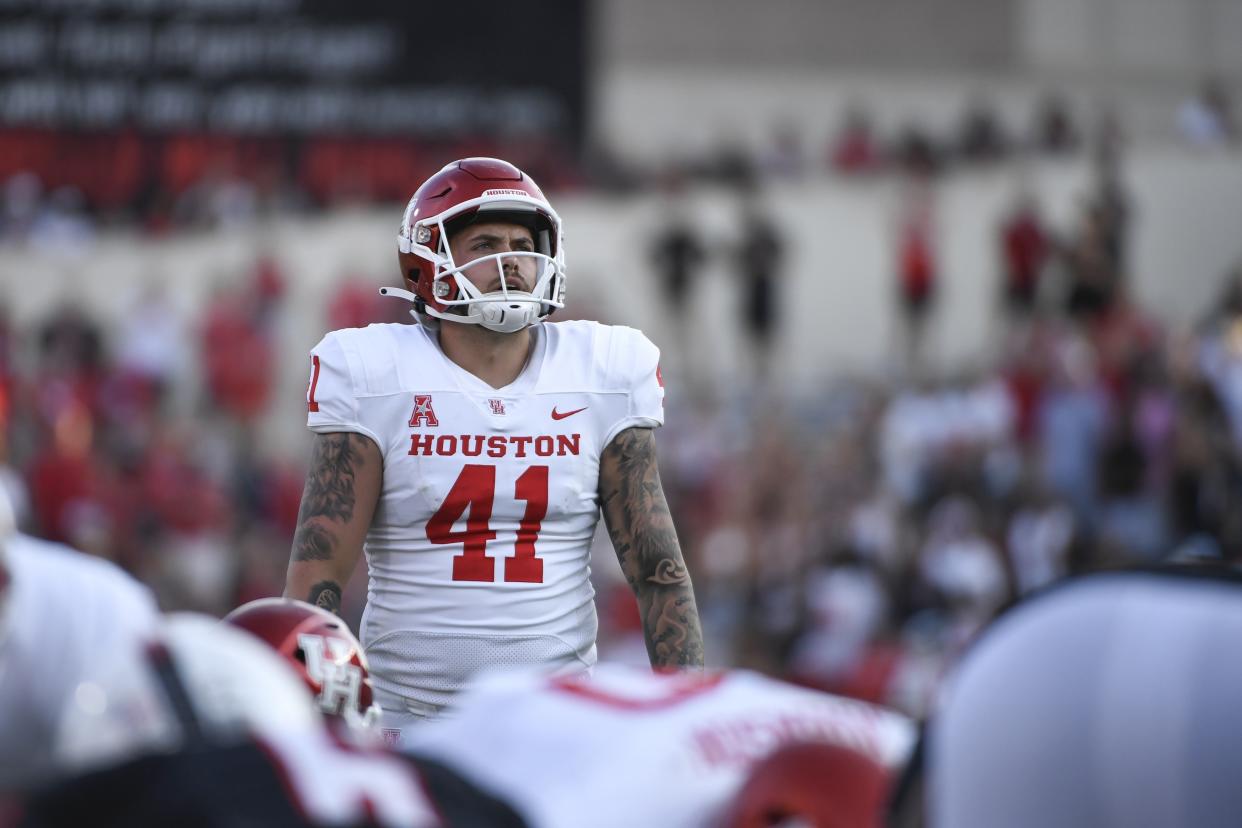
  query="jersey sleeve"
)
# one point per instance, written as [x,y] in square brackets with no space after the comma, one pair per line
[331,397]
[636,366]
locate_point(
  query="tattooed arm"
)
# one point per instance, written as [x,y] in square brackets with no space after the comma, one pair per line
[342,488]
[645,540]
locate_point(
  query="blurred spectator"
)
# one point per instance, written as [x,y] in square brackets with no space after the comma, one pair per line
[1205,475]
[730,164]
[62,224]
[356,303]
[1054,132]
[1070,427]
[1131,521]
[916,263]
[916,153]
[1220,352]
[677,254]
[1108,135]
[1091,265]
[1112,208]
[1039,538]
[784,157]
[22,200]
[759,259]
[854,148]
[847,609]
[964,571]
[981,139]
[1024,250]
[221,198]
[1206,119]
[151,347]
[65,478]
[237,353]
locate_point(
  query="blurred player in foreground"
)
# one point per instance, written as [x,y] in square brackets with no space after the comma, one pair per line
[204,725]
[627,747]
[1109,702]
[63,616]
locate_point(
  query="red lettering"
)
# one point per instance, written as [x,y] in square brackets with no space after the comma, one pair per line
[567,444]
[472,490]
[521,443]
[543,445]
[532,487]
[496,446]
[475,490]
[446,445]
[420,444]
[465,445]
[710,747]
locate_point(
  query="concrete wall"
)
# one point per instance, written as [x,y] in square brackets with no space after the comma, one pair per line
[837,303]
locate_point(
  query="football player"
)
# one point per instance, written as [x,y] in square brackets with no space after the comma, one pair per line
[1109,701]
[472,453]
[627,747]
[204,725]
[63,615]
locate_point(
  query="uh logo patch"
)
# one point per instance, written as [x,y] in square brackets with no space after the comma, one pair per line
[328,665]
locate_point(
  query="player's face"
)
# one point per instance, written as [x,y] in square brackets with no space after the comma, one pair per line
[478,240]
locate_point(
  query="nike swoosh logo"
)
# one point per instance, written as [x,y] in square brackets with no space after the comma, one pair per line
[556,415]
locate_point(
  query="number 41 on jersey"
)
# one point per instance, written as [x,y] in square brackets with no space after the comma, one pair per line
[475,489]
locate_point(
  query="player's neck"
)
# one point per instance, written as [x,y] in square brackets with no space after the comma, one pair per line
[495,358]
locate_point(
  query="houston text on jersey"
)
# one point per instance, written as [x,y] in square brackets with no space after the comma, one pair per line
[477,445]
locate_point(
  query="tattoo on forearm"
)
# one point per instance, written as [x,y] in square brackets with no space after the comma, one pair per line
[669,572]
[330,484]
[326,594]
[645,540]
[329,495]
[312,542]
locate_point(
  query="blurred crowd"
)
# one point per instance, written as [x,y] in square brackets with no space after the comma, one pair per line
[141,442]
[858,540]
[60,187]
[855,540]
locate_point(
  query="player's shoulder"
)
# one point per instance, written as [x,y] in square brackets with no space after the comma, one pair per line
[614,355]
[376,338]
[42,564]
[36,554]
[375,359]
[587,333]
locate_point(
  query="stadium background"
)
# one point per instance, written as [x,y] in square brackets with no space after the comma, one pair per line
[898,399]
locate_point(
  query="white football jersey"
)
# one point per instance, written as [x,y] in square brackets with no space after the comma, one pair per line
[68,615]
[479,548]
[626,746]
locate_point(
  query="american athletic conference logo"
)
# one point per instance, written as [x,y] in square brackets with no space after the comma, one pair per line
[423,413]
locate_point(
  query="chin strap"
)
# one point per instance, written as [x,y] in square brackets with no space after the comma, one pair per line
[401,293]
[500,314]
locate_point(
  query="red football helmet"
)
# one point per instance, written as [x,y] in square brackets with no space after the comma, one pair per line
[812,783]
[469,191]
[321,649]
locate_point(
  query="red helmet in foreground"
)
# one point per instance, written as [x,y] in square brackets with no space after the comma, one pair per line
[321,649]
[812,783]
